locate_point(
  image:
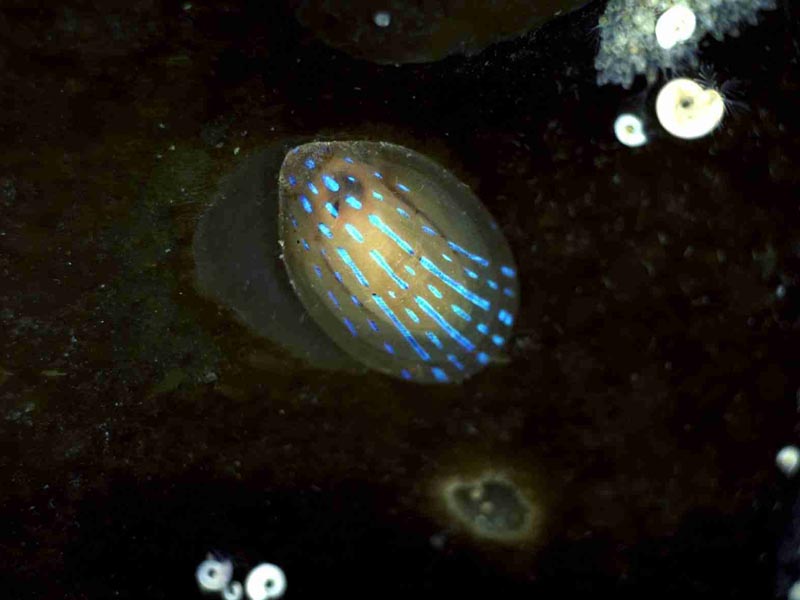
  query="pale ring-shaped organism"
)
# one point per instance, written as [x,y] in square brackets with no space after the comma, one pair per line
[265,581]
[629,130]
[687,110]
[214,575]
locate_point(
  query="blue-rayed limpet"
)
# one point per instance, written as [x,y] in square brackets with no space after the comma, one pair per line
[396,259]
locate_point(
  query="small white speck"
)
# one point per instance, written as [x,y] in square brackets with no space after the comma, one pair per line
[382,18]
[780,292]
[236,151]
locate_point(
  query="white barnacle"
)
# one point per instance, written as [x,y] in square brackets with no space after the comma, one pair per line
[629,130]
[264,582]
[788,460]
[214,575]
[688,110]
[675,25]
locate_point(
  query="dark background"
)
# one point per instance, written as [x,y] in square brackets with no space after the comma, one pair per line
[652,376]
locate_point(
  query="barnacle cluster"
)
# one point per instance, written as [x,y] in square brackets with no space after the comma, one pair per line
[647,37]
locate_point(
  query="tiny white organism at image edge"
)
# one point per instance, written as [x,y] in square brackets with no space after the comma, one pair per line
[629,130]
[687,110]
[788,460]
[794,591]
[675,25]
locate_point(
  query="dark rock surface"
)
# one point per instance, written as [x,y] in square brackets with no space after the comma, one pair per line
[652,377]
